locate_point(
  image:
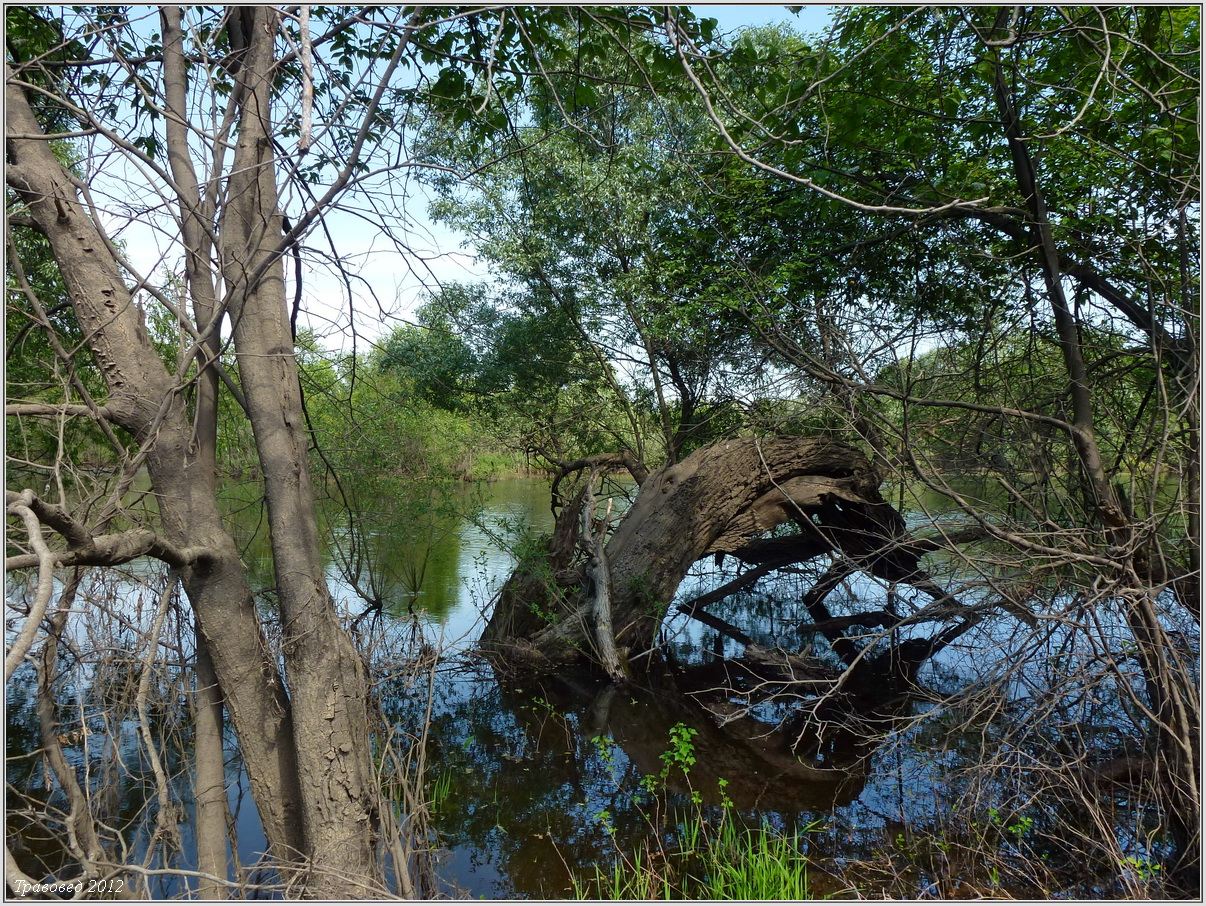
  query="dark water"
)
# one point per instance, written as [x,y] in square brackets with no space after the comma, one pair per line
[535,781]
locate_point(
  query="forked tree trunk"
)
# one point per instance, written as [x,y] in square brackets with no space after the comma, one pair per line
[143,401]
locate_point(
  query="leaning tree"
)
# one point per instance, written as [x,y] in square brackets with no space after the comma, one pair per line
[223,138]
[973,236]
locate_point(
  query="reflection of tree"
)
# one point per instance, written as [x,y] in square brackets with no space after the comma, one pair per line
[517,789]
[419,537]
[395,540]
[399,545]
[532,768]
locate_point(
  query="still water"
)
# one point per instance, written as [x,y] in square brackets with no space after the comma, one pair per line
[533,782]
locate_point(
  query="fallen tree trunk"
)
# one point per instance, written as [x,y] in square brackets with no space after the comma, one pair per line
[719,500]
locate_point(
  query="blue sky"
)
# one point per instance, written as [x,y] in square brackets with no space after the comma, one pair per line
[401,282]
[731,16]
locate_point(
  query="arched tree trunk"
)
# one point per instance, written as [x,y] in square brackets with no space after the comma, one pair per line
[718,500]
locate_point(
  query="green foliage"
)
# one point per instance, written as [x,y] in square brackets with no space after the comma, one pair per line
[1142,867]
[433,360]
[731,863]
[681,753]
[594,235]
[33,371]
[706,858]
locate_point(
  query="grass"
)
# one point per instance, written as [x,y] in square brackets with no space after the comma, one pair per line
[725,863]
[761,864]
[441,789]
[708,860]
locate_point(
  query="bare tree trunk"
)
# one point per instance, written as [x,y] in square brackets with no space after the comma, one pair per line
[209,794]
[143,400]
[326,676]
[598,574]
[209,785]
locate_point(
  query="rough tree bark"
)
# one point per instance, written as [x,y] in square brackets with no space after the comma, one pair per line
[717,500]
[326,675]
[143,400]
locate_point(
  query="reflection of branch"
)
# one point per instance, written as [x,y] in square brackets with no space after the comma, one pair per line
[82,839]
[165,819]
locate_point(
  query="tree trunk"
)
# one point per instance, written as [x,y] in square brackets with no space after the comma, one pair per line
[143,400]
[209,784]
[327,679]
[714,501]
[1171,689]
[209,793]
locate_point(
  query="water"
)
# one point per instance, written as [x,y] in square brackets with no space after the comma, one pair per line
[535,781]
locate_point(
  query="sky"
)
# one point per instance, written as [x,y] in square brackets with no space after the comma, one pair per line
[731,16]
[441,254]
[390,284]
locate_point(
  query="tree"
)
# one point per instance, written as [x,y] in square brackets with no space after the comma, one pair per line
[193,102]
[584,231]
[1062,144]
[321,729]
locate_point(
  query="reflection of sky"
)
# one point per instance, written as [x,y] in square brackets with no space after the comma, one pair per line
[523,763]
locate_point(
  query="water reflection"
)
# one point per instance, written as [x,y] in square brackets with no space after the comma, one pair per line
[540,781]
[534,782]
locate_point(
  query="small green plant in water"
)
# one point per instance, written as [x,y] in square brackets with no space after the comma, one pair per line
[1021,826]
[603,816]
[1144,868]
[441,789]
[605,749]
[726,801]
[681,753]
